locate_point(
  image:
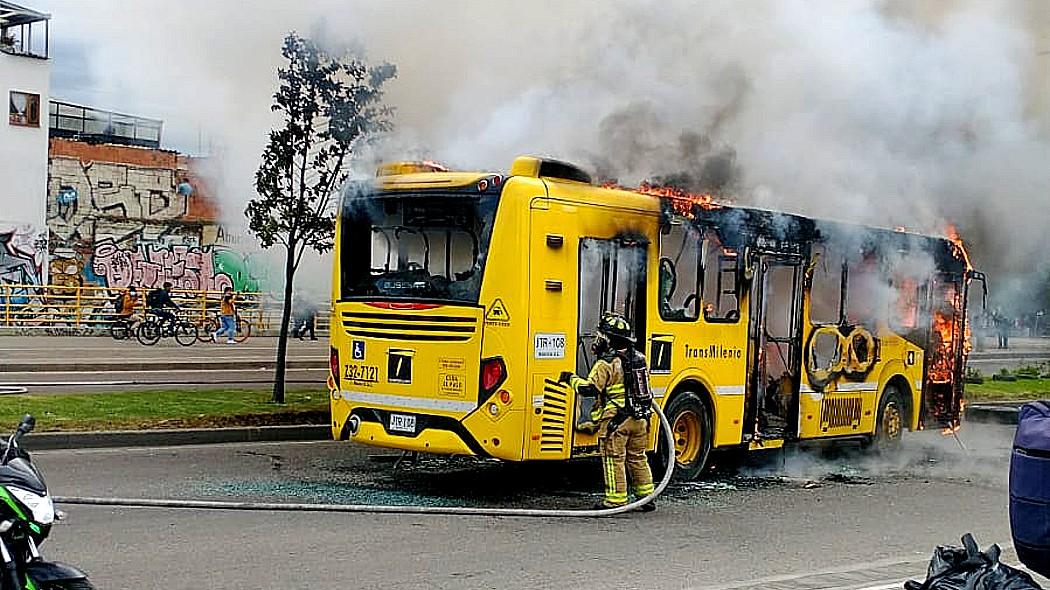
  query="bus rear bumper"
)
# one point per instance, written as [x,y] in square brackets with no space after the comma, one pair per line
[441,435]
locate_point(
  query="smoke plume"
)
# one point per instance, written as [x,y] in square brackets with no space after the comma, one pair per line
[883,112]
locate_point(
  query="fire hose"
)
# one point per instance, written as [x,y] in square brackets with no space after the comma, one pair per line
[665,427]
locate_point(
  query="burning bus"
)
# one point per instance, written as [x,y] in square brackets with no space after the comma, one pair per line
[459,297]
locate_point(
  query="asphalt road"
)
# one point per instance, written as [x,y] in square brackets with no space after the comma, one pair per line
[803,519]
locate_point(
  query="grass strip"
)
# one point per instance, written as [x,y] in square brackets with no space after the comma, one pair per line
[1022,389]
[163,409]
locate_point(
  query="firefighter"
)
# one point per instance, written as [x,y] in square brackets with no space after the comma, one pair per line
[622,440]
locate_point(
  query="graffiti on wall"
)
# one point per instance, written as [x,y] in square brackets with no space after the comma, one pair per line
[186,267]
[22,254]
[140,219]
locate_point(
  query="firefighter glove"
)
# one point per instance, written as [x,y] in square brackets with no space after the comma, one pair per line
[565,377]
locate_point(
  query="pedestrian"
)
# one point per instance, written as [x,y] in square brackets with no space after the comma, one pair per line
[305,314]
[622,438]
[1002,329]
[227,316]
[157,302]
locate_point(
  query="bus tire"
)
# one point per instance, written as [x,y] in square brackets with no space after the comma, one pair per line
[690,421]
[889,421]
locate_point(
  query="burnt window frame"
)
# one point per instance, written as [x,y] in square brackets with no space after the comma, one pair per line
[698,286]
[635,312]
[843,274]
[738,286]
[32,107]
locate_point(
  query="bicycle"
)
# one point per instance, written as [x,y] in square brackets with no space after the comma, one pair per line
[211,325]
[123,327]
[153,328]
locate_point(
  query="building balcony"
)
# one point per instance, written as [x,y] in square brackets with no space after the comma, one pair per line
[24,32]
[93,125]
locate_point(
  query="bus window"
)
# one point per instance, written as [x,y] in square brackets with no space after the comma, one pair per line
[867,291]
[612,278]
[720,285]
[680,274]
[417,246]
[825,292]
[905,315]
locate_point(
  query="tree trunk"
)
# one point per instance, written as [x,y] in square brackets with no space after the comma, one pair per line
[286,315]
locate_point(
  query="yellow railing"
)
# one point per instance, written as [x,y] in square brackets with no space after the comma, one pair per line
[50,306]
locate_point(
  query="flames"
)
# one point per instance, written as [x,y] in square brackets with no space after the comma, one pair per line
[682,201]
[952,233]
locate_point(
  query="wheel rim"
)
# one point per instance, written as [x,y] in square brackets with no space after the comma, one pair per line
[686,428]
[892,421]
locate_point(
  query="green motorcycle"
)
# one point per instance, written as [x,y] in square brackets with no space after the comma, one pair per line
[26,516]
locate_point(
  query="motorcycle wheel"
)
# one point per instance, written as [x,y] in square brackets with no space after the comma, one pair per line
[83,584]
[148,333]
[186,333]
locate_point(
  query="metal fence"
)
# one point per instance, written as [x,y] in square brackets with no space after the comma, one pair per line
[91,309]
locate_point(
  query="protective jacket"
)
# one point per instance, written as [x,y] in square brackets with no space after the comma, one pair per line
[606,382]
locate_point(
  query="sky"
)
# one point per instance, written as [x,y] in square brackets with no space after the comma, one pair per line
[889,112]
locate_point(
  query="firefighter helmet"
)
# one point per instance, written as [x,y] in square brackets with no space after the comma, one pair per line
[615,327]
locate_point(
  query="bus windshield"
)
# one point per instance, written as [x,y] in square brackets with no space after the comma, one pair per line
[416,245]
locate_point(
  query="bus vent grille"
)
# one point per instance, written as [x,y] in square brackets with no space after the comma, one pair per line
[838,412]
[555,418]
[409,328]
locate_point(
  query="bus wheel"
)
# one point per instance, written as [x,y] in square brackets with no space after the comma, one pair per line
[691,424]
[889,423]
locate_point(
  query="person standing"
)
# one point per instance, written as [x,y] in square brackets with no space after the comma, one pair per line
[227,316]
[622,438]
[1002,328]
[305,314]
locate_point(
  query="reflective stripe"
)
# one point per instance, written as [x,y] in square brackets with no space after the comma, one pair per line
[804,388]
[918,385]
[644,490]
[866,386]
[659,392]
[730,389]
[408,403]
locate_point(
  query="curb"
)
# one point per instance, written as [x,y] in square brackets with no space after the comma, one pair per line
[989,413]
[46,441]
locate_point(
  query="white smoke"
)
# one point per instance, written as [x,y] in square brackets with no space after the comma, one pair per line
[883,112]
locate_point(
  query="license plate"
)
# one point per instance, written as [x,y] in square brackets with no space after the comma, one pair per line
[402,423]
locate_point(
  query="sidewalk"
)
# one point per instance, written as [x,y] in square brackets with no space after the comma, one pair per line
[60,364]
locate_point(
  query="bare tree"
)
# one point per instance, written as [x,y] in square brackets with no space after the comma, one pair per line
[329,104]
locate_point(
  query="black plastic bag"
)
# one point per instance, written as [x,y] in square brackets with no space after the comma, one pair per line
[967,568]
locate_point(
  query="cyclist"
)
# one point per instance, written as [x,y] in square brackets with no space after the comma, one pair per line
[129,300]
[157,301]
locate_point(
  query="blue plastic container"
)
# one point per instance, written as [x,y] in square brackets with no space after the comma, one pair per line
[1030,487]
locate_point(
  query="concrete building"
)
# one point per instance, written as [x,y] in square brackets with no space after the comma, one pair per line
[25,74]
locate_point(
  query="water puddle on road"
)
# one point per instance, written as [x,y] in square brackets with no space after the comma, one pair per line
[475,482]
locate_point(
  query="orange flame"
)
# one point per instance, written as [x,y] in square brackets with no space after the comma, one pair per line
[682,201]
[953,236]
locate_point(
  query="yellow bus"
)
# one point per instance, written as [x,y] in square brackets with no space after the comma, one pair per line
[459,297]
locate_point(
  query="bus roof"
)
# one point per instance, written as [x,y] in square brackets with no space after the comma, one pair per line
[749,223]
